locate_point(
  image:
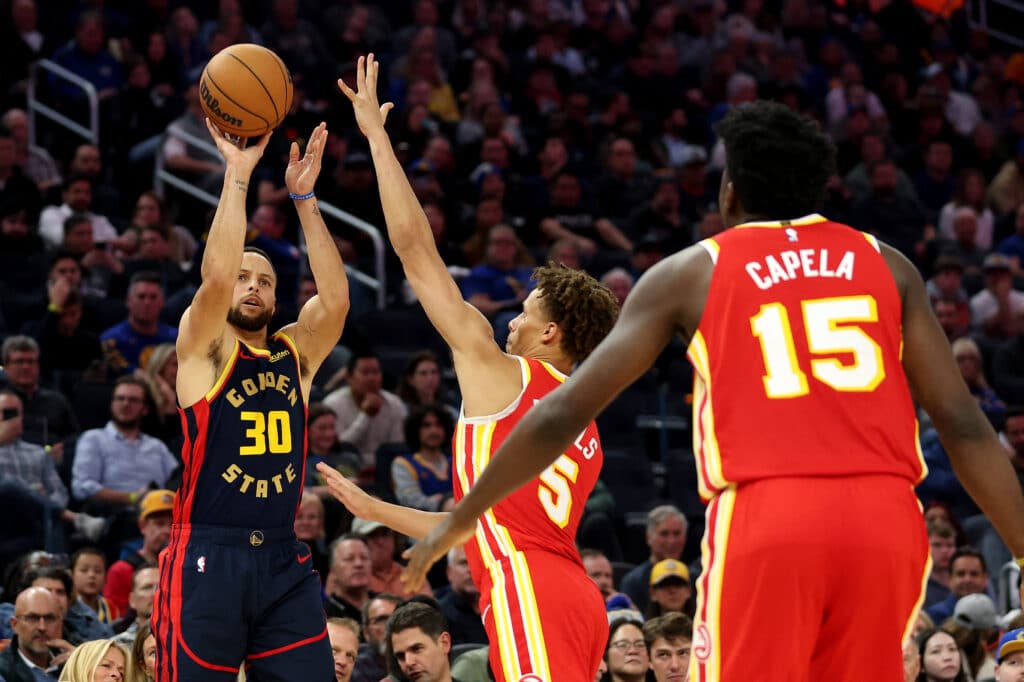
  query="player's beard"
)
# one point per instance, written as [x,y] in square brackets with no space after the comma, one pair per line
[249,324]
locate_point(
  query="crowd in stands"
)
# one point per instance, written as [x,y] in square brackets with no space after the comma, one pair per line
[577,131]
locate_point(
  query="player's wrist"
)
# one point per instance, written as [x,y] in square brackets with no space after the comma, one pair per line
[296,196]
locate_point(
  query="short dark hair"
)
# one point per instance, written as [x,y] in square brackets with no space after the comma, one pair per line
[1015,411]
[50,573]
[86,551]
[670,626]
[583,308]
[969,551]
[414,422]
[147,276]
[77,177]
[141,567]
[133,380]
[358,355]
[383,596]
[615,626]
[779,161]
[260,252]
[75,219]
[415,613]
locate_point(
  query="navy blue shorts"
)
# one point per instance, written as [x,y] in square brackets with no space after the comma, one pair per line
[236,596]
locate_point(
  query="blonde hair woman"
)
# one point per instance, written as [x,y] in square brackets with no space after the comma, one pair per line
[101,660]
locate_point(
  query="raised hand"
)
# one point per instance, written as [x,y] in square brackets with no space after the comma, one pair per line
[302,172]
[450,532]
[370,114]
[346,492]
[241,159]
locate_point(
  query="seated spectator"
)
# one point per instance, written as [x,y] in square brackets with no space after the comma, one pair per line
[144,581]
[88,57]
[1013,246]
[666,538]
[48,417]
[66,347]
[78,198]
[346,587]
[502,282]
[37,626]
[371,665]
[161,375]
[23,261]
[962,246]
[88,568]
[128,345]
[669,640]
[974,626]
[420,383]
[87,161]
[150,209]
[154,256]
[197,164]
[623,185]
[155,511]
[970,192]
[418,642]
[368,416]
[946,283]
[322,427]
[626,655]
[968,358]
[116,465]
[102,267]
[344,636]
[968,575]
[423,479]
[143,656]
[897,220]
[14,184]
[102,660]
[599,569]
[569,216]
[942,541]
[997,311]
[385,572]
[461,605]
[79,626]
[670,589]
[940,657]
[1010,653]
[309,528]
[619,282]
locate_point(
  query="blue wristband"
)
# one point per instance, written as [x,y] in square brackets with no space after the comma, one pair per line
[300,197]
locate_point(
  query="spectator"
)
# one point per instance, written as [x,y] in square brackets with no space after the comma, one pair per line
[161,375]
[371,664]
[37,627]
[66,347]
[298,41]
[668,641]
[88,569]
[420,383]
[385,572]
[347,585]
[87,161]
[940,657]
[619,282]
[968,358]
[666,537]
[368,416]
[154,256]
[116,465]
[35,162]
[197,164]
[597,566]
[322,427]
[502,282]
[942,541]
[88,57]
[128,345]
[309,528]
[461,606]
[21,44]
[150,209]
[1006,191]
[78,198]
[569,217]
[997,311]
[102,266]
[970,192]
[23,261]
[968,575]
[626,654]
[670,589]
[155,525]
[418,642]
[935,183]
[1013,245]
[1009,655]
[423,479]
[946,283]
[79,626]
[97,661]
[144,581]
[48,418]
[897,220]
[974,626]
[344,636]
[143,656]
[14,184]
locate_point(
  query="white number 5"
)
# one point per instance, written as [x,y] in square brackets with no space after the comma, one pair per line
[830,325]
[555,494]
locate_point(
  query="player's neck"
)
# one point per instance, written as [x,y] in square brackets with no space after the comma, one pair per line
[257,339]
[553,357]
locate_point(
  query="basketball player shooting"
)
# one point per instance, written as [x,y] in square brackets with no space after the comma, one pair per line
[545,619]
[810,342]
[235,584]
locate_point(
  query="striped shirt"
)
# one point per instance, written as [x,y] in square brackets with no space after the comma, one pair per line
[30,465]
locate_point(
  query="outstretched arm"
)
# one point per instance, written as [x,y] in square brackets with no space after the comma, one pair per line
[322,318]
[461,325]
[651,316]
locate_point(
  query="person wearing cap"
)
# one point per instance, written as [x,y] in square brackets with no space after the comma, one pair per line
[384,570]
[946,284]
[974,626]
[155,511]
[666,538]
[1010,657]
[998,310]
[670,588]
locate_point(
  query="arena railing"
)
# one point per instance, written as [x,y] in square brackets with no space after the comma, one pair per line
[991,15]
[162,176]
[37,108]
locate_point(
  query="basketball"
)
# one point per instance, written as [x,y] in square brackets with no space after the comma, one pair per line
[245,90]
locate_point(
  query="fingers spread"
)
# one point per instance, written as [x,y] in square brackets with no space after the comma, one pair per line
[293,153]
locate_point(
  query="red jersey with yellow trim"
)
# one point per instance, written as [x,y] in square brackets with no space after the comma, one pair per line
[797,359]
[245,442]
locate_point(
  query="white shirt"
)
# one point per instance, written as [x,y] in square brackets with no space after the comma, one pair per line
[51,225]
[984,306]
[363,431]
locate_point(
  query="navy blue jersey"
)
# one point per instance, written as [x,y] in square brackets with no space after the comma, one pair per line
[245,442]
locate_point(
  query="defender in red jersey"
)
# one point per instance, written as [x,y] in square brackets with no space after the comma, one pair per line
[808,339]
[235,585]
[544,617]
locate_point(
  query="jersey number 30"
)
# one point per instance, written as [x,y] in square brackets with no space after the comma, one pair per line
[266,432]
[831,329]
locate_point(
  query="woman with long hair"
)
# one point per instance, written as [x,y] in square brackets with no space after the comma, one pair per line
[322,434]
[420,383]
[969,360]
[940,657]
[142,662]
[423,479]
[101,660]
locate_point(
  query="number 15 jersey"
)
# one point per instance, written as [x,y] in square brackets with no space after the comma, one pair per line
[797,359]
[245,442]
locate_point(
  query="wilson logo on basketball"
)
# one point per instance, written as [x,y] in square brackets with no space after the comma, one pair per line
[213,106]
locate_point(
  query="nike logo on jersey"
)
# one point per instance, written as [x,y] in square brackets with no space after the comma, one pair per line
[304,559]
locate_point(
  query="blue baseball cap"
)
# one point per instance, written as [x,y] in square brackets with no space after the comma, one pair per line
[1010,643]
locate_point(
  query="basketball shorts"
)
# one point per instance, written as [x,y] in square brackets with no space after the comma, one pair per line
[235,596]
[809,579]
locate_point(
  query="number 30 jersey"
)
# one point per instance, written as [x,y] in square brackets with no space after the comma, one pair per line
[245,442]
[544,514]
[797,359]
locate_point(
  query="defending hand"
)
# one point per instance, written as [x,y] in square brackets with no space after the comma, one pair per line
[370,114]
[450,532]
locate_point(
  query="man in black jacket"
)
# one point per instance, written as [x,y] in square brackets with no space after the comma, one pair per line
[37,636]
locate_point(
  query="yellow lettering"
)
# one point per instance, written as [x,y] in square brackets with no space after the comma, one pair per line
[256,434]
[249,386]
[263,381]
[289,473]
[261,488]
[292,397]
[234,398]
[231,473]
[282,383]
[277,483]
[246,482]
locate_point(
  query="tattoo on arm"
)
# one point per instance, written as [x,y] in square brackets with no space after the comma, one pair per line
[316,210]
[241,185]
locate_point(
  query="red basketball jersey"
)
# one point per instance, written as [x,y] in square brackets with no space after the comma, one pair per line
[797,359]
[544,514]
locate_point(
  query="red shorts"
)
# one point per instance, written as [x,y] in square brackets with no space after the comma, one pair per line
[545,620]
[809,579]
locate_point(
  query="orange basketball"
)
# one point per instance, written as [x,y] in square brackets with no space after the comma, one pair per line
[245,90]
